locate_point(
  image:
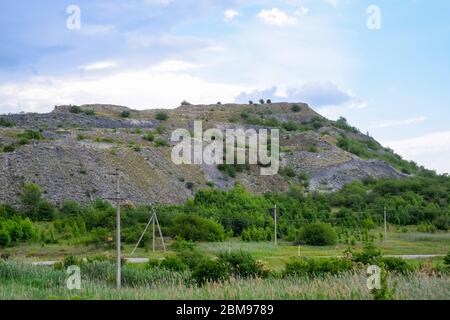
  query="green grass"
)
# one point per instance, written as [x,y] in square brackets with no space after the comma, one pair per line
[346,286]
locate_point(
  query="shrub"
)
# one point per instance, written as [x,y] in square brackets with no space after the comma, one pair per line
[191,257]
[296,108]
[190,185]
[288,172]
[150,137]
[6,123]
[242,264]
[317,234]
[368,255]
[442,222]
[9,148]
[196,228]
[397,265]
[210,271]
[23,141]
[426,227]
[257,234]
[31,135]
[162,116]
[317,267]
[5,238]
[161,143]
[250,102]
[261,101]
[173,263]
[447,259]
[75,109]
[185,103]
[89,112]
[269,101]
[125,114]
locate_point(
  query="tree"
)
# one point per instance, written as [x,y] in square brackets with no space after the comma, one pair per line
[31,195]
[250,102]
[125,114]
[269,101]
[261,101]
[162,116]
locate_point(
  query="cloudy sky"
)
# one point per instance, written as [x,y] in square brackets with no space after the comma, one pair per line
[392,82]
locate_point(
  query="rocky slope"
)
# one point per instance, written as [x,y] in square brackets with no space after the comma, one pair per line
[77,152]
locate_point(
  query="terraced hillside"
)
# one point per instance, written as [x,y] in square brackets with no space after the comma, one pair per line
[72,152]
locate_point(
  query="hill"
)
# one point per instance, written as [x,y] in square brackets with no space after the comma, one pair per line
[72,152]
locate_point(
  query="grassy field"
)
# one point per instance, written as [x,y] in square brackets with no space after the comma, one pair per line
[411,243]
[44,283]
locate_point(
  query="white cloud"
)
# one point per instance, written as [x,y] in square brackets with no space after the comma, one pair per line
[332,3]
[315,93]
[398,123]
[302,11]
[100,65]
[276,17]
[173,66]
[138,89]
[431,150]
[230,14]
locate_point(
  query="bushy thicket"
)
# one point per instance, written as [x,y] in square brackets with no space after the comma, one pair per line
[316,234]
[317,267]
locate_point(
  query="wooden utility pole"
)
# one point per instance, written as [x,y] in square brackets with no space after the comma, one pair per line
[275,220]
[118,235]
[385,225]
[153,234]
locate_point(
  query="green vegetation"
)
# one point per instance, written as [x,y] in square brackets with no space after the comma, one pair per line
[6,123]
[316,234]
[125,114]
[161,116]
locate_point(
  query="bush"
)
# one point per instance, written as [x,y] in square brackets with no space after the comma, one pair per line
[426,227]
[196,228]
[9,148]
[317,267]
[191,257]
[161,143]
[296,108]
[397,265]
[75,109]
[210,271]
[447,259]
[316,234]
[257,234]
[5,238]
[6,123]
[442,222]
[242,264]
[125,114]
[261,101]
[173,263]
[162,116]
[288,172]
[150,137]
[368,255]
[89,112]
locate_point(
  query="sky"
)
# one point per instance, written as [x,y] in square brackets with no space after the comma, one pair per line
[384,65]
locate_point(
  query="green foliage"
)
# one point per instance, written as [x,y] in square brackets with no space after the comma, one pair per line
[125,114]
[447,259]
[385,292]
[31,135]
[369,255]
[150,137]
[9,148]
[6,122]
[288,172]
[296,108]
[242,264]
[75,109]
[316,267]
[316,234]
[16,229]
[257,234]
[196,228]
[161,143]
[89,112]
[426,227]
[397,265]
[173,263]
[210,271]
[161,116]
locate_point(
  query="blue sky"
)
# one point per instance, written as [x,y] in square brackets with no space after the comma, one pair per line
[392,82]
